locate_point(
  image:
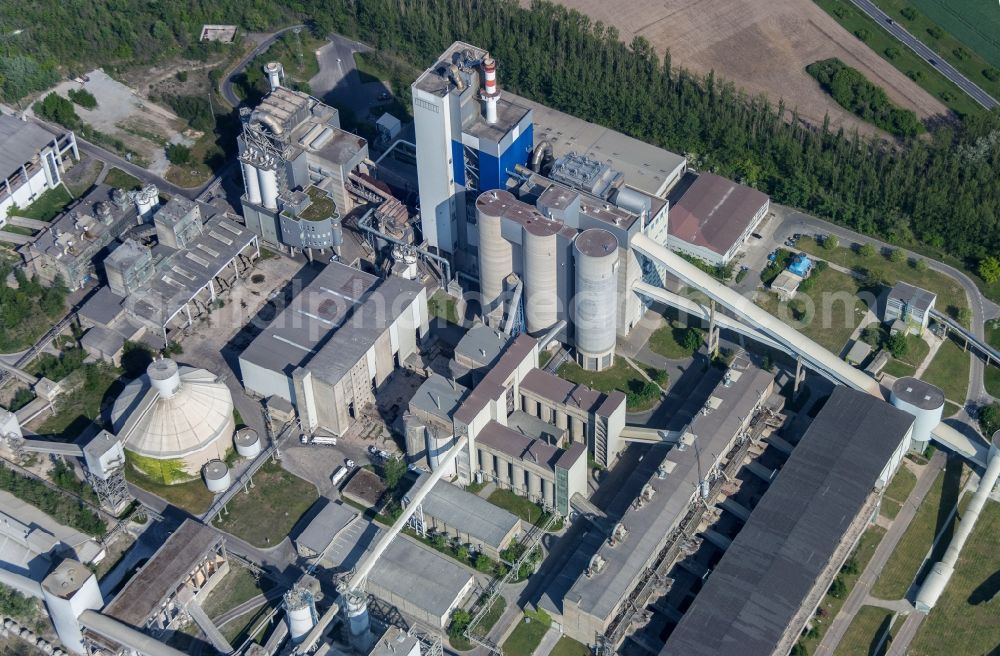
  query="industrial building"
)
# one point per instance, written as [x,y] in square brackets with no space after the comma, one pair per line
[599,581]
[332,346]
[173,420]
[713,217]
[909,308]
[297,169]
[925,402]
[767,586]
[528,430]
[466,517]
[32,160]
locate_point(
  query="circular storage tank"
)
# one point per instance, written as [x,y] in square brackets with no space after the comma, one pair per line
[495,258]
[247,442]
[595,305]
[301,611]
[541,272]
[922,400]
[217,477]
[437,447]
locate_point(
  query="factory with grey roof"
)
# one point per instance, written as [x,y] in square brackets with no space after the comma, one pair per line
[32,161]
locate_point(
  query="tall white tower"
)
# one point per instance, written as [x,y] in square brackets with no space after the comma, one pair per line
[68,591]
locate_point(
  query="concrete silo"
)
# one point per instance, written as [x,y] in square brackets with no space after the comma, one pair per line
[595,305]
[68,591]
[217,476]
[268,181]
[495,255]
[247,442]
[539,243]
[300,609]
[922,400]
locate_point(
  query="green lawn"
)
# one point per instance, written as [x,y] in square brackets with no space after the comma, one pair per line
[830,605]
[524,508]
[668,341]
[235,588]
[266,515]
[992,377]
[77,409]
[965,620]
[569,647]
[899,488]
[461,643]
[444,306]
[949,292]
[121,180]
[865,636]
[949,370]
[47,206]
[898,369]
[828,313]
[916,350]
[530,630]
[903,566]
[18,230]
[544,357]
[887,47]
[191,496]
[620,376]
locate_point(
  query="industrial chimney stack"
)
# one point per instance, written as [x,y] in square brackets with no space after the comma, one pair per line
[489,93]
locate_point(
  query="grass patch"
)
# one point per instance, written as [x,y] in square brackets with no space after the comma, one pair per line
[192,496]
[831,605]
[569,647]
[898,369]
[524,508]
[949,370]
[235,588]
[524,639]
[461,643]
[543,358]
[668,341]
[47,206]
[443,306]
[620,376]
[267,514]
[897,492]
[121,180]
[965,620]
[18,230]
[926,76]
[321,206]
[865,635]
[932,516]
[991,379]
[828,313]
[198,169]
[76,410]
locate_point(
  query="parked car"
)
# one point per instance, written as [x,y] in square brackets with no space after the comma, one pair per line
[756,235]
[772,257]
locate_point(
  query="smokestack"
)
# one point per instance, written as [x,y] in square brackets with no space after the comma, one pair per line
[489,94]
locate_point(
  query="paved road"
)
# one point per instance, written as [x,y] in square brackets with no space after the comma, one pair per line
[788,221]
[855,600]
[925,53]
[226,88]
[337,70]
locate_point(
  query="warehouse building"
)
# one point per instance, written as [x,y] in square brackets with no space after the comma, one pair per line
[335,343]
[466,517]
[32,160]
[758,599]
[714,217]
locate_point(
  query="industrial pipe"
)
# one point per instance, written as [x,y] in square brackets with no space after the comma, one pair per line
[363,224]
[940,574]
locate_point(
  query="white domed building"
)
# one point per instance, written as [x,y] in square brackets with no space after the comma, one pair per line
[173,420]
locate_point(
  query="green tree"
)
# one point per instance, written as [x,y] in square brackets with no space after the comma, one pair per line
[692,340]
[393,470]
[439,541]
[462,553]
[838,589]
[897,345]
[57,109]
[989,419]
[484,563]
[83,98]
[989,269]
[866,250]
[178,154]
[831,242]
[460,619]
[897,256]
[920,265]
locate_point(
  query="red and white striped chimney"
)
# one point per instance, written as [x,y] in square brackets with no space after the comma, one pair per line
[490,94]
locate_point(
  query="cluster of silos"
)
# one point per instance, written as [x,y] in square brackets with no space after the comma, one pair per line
[260,178]
[595,305]
[495,253]
[922,400]
[145,199]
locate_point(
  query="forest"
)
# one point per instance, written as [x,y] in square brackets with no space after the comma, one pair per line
[937,191]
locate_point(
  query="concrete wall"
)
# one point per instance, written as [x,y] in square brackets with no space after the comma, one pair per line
[265,382]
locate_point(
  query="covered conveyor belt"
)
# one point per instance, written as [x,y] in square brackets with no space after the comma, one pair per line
[992,355]
[47,446]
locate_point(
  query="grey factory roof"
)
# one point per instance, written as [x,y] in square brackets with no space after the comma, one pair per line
[159,577]
[714,212]
[533,427]
[508,441]
[102,307]
[20,141]
[646,167]
[469,513]
[649,526]
[556,389]
[174,210]
[438,396]
[915,297]
[73,232]
[596,242]
[491,386]
[481,344]
[181,274]
[331,323]
[759,585]
[421,576]
[128,252]
[915,391]
[103,340]
[28,535]
[324,527]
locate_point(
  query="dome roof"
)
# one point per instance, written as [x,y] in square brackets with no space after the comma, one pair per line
[173,411]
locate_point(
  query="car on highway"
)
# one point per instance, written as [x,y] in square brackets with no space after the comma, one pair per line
[932,62]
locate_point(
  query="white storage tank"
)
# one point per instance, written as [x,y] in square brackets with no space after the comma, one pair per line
[217,477]
[247,442]
[146,199]
[495,253]
[595,304]
[268,179]
[922,400]
[300,609]
[541,269]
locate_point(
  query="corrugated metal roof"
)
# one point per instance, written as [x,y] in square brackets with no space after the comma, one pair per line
[20,141]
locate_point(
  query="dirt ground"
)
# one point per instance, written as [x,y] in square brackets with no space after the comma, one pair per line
[762,46]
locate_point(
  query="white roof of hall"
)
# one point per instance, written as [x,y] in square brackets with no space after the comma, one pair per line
[159,425]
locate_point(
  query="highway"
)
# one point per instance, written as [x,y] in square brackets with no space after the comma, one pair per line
[925,53]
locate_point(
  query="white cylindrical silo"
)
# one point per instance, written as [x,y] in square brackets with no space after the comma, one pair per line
[164,377]
[922,400]
[595,305]
[268,178]
[358,621]
[217,477]
[146,199]
[495,256]
[247,442]
[300,608]
[541,268]
[252,184]
[69,590]
[274,71]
